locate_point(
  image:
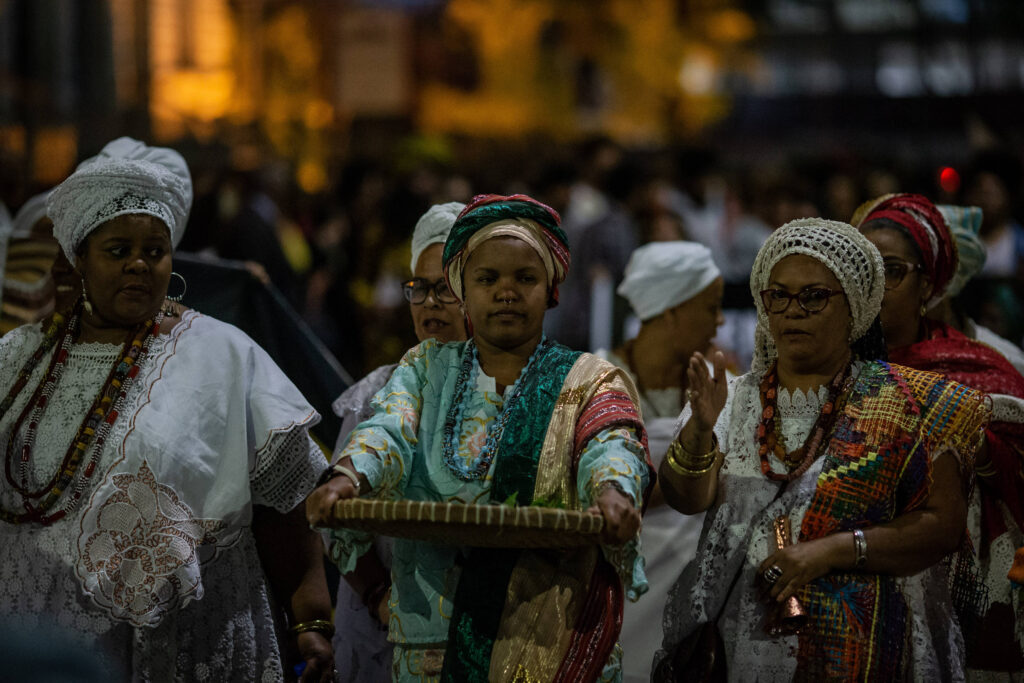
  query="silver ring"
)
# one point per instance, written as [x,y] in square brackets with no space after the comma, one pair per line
[772,574]
[690,395]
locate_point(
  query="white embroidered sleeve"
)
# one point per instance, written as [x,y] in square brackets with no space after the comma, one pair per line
[287,470]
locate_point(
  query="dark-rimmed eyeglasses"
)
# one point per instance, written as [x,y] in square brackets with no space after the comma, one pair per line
[416,290]
[811,299]
[896,270]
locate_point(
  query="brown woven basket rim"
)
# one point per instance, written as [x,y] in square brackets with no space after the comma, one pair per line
[461,524]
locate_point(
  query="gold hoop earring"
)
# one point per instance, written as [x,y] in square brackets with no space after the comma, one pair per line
[924,310]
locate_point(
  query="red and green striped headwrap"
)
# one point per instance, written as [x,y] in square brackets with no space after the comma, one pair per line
[519,216]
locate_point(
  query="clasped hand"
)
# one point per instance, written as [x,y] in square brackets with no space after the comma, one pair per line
[800,563]
[621,518]
[320,503]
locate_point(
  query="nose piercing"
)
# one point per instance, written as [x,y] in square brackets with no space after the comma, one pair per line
[508,302]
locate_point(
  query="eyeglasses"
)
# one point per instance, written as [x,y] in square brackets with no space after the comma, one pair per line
[416,290]
[811,299]
[896,270]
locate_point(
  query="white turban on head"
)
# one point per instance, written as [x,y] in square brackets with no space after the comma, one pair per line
[964,223]
[853,259]
[29,214]
[662,275]
[433,228]
[127,177]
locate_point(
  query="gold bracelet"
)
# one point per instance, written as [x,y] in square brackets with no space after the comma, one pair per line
[691,461]
[322,625]
[693,467]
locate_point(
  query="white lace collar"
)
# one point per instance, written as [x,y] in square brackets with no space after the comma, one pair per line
[105,350]
[799,403]
[95,349]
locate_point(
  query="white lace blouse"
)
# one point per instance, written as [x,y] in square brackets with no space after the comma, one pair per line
[155,569]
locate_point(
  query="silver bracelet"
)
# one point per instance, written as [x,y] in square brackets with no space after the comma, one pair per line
[341,470]
[860,548]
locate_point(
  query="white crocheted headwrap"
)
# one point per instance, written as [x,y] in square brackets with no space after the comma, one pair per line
[127,177]
[433,228]
[854,261]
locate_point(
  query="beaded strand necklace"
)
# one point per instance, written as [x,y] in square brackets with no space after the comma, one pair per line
[769,434]
[453,424]
[49,339]
[92,433]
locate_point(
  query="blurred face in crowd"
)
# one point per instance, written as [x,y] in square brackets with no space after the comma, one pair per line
[907,287]
[695,322]
[808,341]
[126,267]
[436,316]
[506,293]
[989,192]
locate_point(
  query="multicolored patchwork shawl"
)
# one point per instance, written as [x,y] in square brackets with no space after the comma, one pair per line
[512,607]
[877,467]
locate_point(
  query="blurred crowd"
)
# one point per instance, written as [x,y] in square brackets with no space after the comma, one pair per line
[340,256]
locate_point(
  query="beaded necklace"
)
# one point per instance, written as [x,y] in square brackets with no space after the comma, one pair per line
[453,424]
[769,435]
[92,433]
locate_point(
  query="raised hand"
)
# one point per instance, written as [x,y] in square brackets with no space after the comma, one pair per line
[706,392]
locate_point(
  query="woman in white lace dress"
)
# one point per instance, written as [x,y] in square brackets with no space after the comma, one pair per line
[868,464]
[155,459]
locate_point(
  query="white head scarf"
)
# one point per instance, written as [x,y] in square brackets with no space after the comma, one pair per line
[964,223]
[662,275]
[29,214]
[433,228]
[853,259]
[127,177]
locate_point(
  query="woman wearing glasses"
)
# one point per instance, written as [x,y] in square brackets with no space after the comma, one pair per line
[828,476]
[921,259]
[362,652]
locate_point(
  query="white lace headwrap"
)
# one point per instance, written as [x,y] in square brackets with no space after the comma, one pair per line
[433,228]
[127,177]
[854,261]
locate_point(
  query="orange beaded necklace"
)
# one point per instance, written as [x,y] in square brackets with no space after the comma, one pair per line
[770,438]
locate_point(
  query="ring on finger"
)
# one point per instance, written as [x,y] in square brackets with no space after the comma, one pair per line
[772,574]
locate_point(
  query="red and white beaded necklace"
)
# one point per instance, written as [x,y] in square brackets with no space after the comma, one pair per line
[40,505]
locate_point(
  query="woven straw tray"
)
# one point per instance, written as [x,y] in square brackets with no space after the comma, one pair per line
[495,526]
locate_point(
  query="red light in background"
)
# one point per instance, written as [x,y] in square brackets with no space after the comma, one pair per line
[949,179]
